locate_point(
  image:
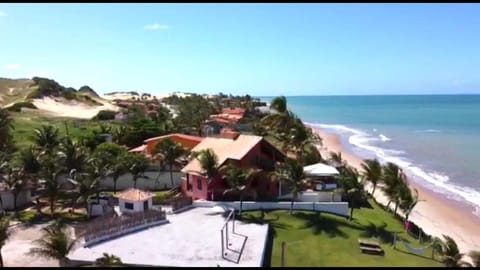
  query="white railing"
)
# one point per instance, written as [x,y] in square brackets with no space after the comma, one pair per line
[339,208]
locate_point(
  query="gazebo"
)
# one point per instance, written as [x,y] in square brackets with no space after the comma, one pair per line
[321,176]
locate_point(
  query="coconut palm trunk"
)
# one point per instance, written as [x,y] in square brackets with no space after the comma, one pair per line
[171,174]
[241,203]
[15,196]
[52,206]
[115,179]
[396,207]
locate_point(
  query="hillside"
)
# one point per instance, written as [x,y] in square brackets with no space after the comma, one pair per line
[49,97]
[128,95]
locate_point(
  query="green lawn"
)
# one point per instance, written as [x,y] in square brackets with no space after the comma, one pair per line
[329,240]
[25,122]
[31,216]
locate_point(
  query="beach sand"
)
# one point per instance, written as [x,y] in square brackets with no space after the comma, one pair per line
[436,215]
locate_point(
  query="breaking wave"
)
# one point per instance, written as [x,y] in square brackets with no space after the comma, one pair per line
[437,181]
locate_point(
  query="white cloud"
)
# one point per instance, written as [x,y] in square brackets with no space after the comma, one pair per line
[3,14]
[156,26]
[11,66]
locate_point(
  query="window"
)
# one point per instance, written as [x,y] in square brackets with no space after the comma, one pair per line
[145,205]
[129,206]
[199,183]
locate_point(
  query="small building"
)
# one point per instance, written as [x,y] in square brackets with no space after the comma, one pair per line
[23,198]
[134,200]
[321,176]
[245,151]
[187,141]
[212,127]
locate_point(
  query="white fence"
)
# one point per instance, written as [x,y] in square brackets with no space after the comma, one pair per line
[126,181]
[339,208]
[318,196]
[151,183]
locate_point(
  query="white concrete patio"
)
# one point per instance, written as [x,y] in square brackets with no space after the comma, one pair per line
[191,238]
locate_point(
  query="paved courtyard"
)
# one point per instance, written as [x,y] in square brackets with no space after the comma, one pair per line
[191,238]
[15,252]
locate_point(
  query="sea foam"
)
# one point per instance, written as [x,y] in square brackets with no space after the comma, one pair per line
[436,181]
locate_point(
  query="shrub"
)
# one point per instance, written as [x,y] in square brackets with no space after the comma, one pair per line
[105,115]
[17,107]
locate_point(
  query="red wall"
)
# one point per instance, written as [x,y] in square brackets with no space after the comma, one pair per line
[216,184]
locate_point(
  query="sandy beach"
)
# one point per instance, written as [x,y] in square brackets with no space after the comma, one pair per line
[435,214]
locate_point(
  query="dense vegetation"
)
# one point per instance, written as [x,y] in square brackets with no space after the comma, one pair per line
[44,87]
[41,151]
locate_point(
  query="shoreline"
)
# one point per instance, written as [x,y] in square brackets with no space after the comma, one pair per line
[435,213]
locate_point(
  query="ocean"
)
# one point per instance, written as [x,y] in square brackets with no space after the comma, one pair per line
[434,138]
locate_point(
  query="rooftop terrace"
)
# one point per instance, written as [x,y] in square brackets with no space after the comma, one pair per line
[190,238]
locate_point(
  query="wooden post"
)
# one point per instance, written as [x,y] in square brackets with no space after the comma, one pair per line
[283,254]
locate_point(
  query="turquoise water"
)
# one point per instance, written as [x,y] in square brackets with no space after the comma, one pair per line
[435,138]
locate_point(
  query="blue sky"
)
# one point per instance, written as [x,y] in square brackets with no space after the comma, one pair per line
[260,49]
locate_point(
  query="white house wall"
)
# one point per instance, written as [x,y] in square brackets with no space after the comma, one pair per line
[137,206]
[23,198]
[126,181]
[339,208]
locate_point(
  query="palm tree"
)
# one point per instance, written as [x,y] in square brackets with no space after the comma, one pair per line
[86,185]
[291,172]
[31,165]
[336,160]
[55,244]
[50,173]
[46,137]
[475,256]
[112,157]
[117,169]
[4,235]
[350,187]
[396,185]
[408,200]
[279,104]
[73,155]
[108,260]
[451,254]
[6,124]
[137,165]
[208,161]
[281,120]
[169,151]
[372,171]
[237,179]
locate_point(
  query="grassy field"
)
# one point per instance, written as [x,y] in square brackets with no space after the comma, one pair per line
[25,122]
[327,240]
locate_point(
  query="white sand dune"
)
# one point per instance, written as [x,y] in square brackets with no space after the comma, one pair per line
[67,108]
[128,96]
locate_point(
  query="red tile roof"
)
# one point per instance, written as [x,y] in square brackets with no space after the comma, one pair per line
[141,148]
[133,194]
[237,111]
[179,135]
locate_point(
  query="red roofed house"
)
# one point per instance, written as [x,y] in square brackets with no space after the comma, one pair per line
[246,151]
[134,200]
[187,141]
